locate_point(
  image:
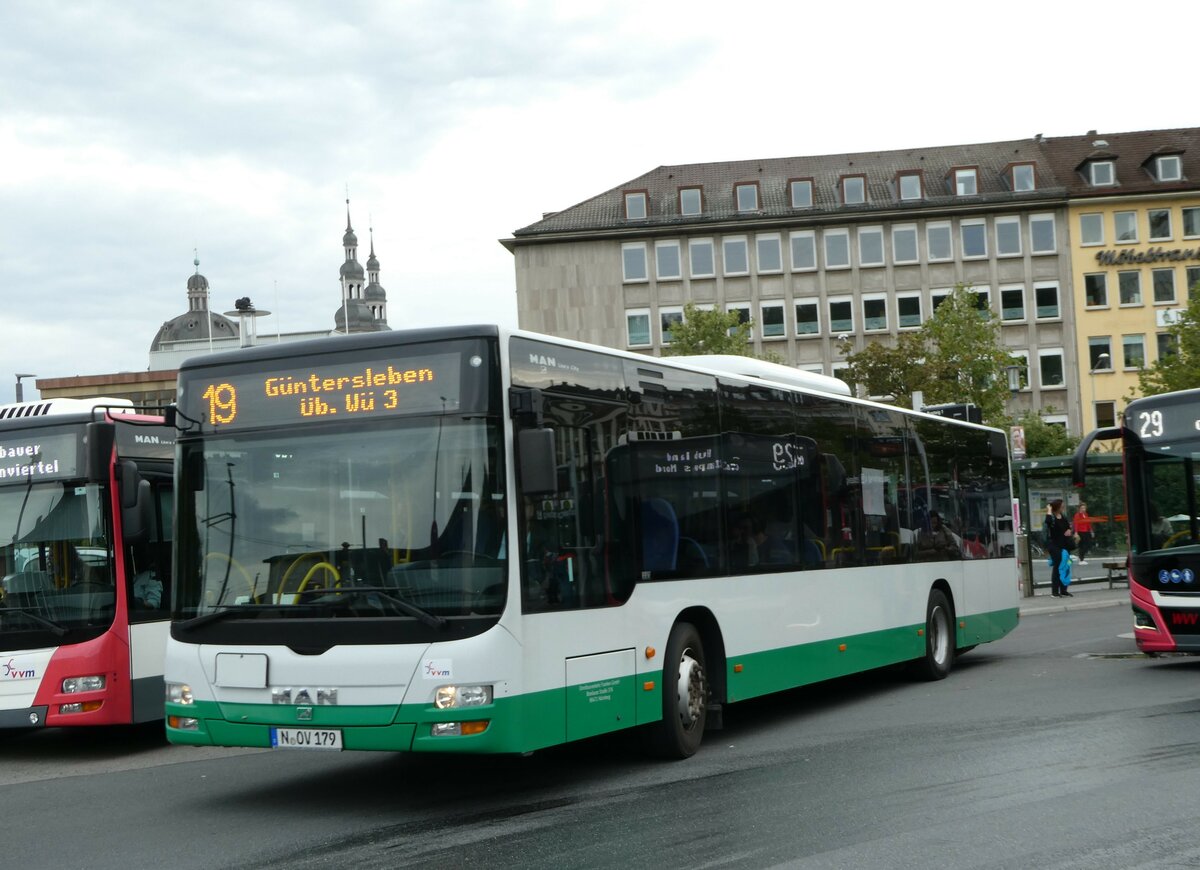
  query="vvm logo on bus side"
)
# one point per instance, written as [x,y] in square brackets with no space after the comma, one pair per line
[12,670]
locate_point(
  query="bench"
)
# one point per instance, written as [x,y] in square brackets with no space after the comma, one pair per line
[1117,573]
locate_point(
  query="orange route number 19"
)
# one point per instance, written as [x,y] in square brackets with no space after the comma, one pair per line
[222,403]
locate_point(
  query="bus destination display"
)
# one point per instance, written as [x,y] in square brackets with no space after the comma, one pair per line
[38,455]
[427,383]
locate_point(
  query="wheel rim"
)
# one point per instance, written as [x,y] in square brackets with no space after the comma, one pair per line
[690,690]
[939,635]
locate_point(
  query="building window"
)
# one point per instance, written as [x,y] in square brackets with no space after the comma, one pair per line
[1012,302]
[637,326]
[1168,168]
[1125,223]
[746,196]
[908,310]
[1160,224]
[983,303]
[1100,353]
[1101,173]
[691,201]
[1023,177]
[804,251]
[904,244]
[1166,344]
[700,253]
[854,189]
[1129,286]
[1106,414]
[1046,299]
[1191,223]
[1008,237]
[940,242]
[1192,277]
[1133,347]
[1041,234]
[910,186]
[667,263]
[1091,229]
[772,320]
[737,261]
[770,255]
[1050,368]
[965,182]
[1095,290]
[801,192]
[743,317]
[841,316]
[874,308]
[870,246]
[937,297]
[837,249]
[808,318]
[633,259]
[635,205]
[668,319]
[1163,283]
[973,238]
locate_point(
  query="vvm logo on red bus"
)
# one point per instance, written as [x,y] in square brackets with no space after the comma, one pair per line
[15,669]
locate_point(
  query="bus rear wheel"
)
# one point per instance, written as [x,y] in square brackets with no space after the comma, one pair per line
[684,695]
[939,638]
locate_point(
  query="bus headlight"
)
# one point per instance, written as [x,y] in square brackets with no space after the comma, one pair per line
[94,683]
[179,693]
[454,697]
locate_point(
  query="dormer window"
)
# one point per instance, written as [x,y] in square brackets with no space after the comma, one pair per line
[909,186]
[746,196]
[800,190]
[854,189]
[1169,167]
[690,201]
[1022,177]
[635,205]
[1102,173]
[966,182]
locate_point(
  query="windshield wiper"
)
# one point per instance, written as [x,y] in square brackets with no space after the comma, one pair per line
[59,630]
[388,594]
[228,610]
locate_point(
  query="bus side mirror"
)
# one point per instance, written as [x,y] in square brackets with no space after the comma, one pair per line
[137,510]
[1079,459]
[535,459]
[101,436]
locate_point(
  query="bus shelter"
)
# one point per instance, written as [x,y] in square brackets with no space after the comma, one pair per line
[1040,481]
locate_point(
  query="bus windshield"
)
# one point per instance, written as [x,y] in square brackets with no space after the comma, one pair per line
[1165,481]
[56,565]
[400,518]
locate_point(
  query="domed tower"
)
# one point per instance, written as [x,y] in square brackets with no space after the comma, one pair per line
[375,296]
[354,315]
[197,323]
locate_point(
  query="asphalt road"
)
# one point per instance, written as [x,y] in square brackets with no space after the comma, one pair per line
[1057,747]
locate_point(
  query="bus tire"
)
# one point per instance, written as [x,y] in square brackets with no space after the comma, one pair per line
[939,638]
[685,694]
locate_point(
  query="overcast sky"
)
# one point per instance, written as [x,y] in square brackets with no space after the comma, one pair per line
[132,133]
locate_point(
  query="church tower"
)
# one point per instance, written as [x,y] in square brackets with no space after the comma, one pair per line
[354,314]
[375,296]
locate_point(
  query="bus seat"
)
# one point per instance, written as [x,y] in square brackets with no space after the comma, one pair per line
[660,535]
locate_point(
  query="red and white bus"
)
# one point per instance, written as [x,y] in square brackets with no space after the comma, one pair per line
[85,520]
[1160,437]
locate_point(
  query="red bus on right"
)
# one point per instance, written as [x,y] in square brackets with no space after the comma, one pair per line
[1160,437]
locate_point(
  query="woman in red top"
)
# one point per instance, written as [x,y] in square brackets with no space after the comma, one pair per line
[1083,528]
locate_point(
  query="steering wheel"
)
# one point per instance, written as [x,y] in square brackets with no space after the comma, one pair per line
[325,566]
[229,560]
[1178,536]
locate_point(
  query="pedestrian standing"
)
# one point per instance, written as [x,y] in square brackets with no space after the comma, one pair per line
[1082,521]
[1060,540]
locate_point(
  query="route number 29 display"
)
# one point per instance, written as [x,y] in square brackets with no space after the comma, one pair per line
[1150,424]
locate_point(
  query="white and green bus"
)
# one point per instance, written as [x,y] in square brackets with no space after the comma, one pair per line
[479,540]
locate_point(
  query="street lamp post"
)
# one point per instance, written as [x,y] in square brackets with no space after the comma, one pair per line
[1103,363]
[20,388]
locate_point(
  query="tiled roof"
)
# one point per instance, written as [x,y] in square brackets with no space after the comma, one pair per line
[1055,160]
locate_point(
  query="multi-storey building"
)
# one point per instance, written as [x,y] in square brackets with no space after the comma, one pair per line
[1134,229]
[816,249]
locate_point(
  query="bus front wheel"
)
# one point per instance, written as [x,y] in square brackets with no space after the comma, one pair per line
[684,695]
[939,638]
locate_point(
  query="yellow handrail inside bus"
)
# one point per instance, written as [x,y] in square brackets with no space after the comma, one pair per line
[235,564]
[313,570]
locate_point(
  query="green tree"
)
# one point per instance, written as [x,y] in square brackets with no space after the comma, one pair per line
[955,357]
[1179,369]
[705,330]
[1042,438]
